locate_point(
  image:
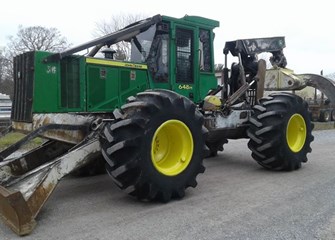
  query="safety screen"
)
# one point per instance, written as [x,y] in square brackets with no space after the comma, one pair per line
[70,83]
[205,51]
[184,56]
[23,87]
[158,59]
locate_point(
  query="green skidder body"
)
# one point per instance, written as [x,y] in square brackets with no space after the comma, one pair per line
[163,57]
[151,114]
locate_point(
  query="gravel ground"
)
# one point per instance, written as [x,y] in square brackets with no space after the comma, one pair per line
[235,199]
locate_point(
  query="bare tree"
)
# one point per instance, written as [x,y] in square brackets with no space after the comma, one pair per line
[27,39]
[114,24]
[37,38]
[6,83]
[2,65]
[331,76]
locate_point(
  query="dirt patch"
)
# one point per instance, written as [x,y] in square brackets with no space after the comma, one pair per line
[324,125]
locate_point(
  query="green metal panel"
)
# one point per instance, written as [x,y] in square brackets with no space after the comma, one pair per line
[73,85]
[136,79]
[70,94]
[58,86]
[110,83]
[207,81]
[46,85]
[194,21]
[80,84]
[203,81]
[102,88]
[187,89]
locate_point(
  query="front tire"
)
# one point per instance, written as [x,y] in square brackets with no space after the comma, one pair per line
[280,132]
[155,149]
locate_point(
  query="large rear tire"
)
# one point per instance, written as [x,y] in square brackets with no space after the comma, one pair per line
[156,148]
[280,132]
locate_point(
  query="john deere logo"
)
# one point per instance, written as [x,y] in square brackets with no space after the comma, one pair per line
[133,75]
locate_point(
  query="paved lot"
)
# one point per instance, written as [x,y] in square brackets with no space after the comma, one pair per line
[235,199]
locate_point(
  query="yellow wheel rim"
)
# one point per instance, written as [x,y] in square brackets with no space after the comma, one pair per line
[172,147]
[296,133]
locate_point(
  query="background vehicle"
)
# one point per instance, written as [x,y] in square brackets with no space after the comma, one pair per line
[5,110]
[153,119]
[322,109]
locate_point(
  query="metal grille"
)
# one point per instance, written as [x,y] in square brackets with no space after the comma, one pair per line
[70,83]
[23,87]
[206,61]
[252,96]
[96,84]
[125,80]
[184,45]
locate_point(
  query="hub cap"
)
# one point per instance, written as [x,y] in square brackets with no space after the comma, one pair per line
[296,133]
[172,147]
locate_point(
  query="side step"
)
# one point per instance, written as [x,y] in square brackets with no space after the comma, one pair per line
[27,182]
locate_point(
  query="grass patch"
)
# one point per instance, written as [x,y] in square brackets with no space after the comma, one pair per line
[13,137]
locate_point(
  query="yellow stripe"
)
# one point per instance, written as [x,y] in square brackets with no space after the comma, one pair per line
[115,63]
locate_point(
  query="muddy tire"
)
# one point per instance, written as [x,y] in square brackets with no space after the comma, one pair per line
[215,147]
[95,167]
[155,149]
[280,132]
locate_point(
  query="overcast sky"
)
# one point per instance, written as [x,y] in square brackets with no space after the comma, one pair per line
[308,26]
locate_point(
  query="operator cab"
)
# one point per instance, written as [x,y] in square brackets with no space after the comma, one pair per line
[179,55]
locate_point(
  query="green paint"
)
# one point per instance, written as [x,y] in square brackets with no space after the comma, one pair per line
[75,85]
[46,85]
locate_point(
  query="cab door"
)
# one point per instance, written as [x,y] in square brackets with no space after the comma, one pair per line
[184,73]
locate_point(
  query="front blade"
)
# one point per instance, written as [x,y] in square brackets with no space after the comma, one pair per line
[15,212]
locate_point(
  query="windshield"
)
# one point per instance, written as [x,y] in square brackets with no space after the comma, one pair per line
[141,44]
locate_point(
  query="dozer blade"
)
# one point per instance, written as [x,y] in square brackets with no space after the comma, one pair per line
[15,212]
[26,183]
